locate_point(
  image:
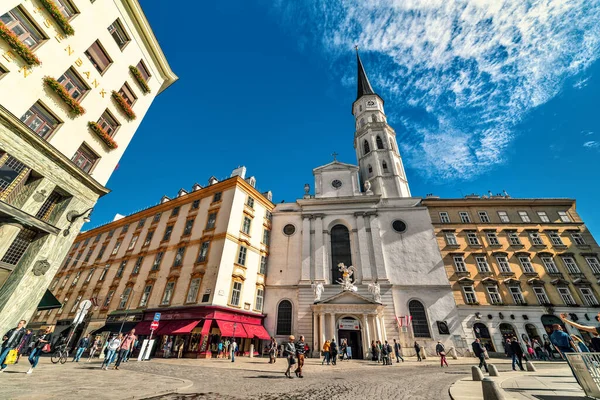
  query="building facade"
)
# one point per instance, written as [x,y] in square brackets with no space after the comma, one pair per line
[362,217]
[515,264]
[76,79]
[199,259]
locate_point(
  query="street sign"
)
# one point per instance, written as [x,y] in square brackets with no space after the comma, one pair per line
[84,306]
[154,325]
[157,316]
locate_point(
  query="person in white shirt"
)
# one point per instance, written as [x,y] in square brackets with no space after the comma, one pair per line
[111,350]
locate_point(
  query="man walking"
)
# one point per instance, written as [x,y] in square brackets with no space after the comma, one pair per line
[11,340]
[397,350]
[126,347]
[517,354]
[232,350]
[480,353]
[300,349]
[81,346]
[333,351]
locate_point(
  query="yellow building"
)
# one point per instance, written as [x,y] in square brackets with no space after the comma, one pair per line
[515,264]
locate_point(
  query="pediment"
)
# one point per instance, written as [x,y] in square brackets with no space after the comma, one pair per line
[335,166]
[347,298]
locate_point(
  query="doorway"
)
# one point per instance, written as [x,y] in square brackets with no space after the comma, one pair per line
[483,334]
[354,340]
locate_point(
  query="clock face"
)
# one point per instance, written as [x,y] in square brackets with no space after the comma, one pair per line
[371,103]
[336,184]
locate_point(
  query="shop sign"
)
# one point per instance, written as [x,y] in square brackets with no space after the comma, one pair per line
[349,324]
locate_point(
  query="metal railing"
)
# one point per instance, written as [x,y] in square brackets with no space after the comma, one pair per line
[586,367]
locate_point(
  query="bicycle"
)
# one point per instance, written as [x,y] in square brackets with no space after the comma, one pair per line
[60,354]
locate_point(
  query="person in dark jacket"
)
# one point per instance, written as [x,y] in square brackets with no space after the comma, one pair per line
[385,355]
[300,350]
[418,351]
[11,341]
[517,354]
[82,345]
[333,351]
[479,353]
[397,350]
[41,341]
[23,347]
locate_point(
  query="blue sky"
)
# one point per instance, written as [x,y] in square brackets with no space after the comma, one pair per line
[483,96]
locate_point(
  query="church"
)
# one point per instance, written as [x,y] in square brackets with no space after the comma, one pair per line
[358,259]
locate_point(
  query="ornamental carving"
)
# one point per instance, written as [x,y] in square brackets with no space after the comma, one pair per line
[41,267]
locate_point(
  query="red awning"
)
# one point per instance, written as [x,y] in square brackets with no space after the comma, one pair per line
[257,331]
[177,327]
[143,328]
[226,328]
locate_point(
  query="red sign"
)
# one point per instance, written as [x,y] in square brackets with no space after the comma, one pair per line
[154,325]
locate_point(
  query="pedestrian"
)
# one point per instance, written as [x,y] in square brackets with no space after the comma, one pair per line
[167,348]
[333,351]
[507,348]
[379,352]
[125,347]
[111,350]
[441,351]
[10,341]
[97,345]
[220,349]
[23,347]
[226,344]
[289,352]
[549,348]
[179,346]
[300,350]
[342,349]
[373,351]
[537,348]
[479,353]
[517,354]
[325,353]
[233,347]
[82,345]
[580,344]
[272,351]
[418,351]
[530,350]
[42,344]
[398,351]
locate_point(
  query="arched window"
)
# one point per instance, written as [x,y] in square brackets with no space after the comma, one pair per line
[284,318]
[362,122]
[370,170]
[374,118]
[384,165]
[391,144]
[419,319]
[379,142]
[340,250]
[366,147]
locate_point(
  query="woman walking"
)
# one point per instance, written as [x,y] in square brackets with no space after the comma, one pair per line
[42,341]
[272,351]
[111,350]
[290,352]
[418,351]
[326,346]
[441,351]
[95,347]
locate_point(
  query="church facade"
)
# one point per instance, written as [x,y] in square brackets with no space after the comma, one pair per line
[358,259]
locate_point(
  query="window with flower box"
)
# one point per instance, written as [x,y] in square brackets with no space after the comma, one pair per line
[98,57]
[108,123]
[66,8]
[127,94]
[85,159]
[40,120]
[73,84]
[25,30]
[141,66]
[118,33]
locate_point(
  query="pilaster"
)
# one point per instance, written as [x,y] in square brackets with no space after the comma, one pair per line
[306,253]
[319,248]
[381,272]
[363,248]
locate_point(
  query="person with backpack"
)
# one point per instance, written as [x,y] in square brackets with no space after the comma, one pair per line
[440,350]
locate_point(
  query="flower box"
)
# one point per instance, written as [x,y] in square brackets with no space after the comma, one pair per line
[60,90]
[126,108]
[60,19]
[105,137]
[139,78]
[19,47]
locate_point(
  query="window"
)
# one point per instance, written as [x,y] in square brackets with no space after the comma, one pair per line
[157,261]
[124,298]
[566,296]
[192,294]
[125,229]
[250,202]
[571,265]
[168,293]
[217,197]
[482,264]
[140,223]
[503,264]
[108,123]
[40,120]
[366,148]
[206,296]
[60,310]
[494,295]
[104,271]
[444,217]
[550,265]
[116,248]
[242,255]
[370,170]
[503,216]
[470,296]
[77,300]
[167,234]
[76,278]
[156,218]
[175,211]
[108,298]
[73,84]
[246,225]
[268,215]
[543,216]
[127,94]
[564,217]
[66,8]
[384,166]
[536,239]
[121,268]
[492,239]
[459,264]
[464,217]
[526,265]
[594,264]
[195,204]
[189,224]
[22,27]
[97,238]
[89,277]
[134,240]
[483,217]
[143,70]
[137,265]
[516,294]
[110,234]
[260,295]
[85,159]
[588,296]
[101,252]
[10,171]
[379,141]
[473,239]
[451,239]
[541,295]
[578,239]
[266,237]
[555,238]
[284,318]
[263,265]
[513,239]
[118,33]
[148,238]
[87,256]
[524,216]
[98,57]
[236,293]
[62,285]
[203,253]
[179,257]
[212,219]
[145,295]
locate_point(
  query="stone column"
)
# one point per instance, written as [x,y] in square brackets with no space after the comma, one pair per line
[332,325]
[363,247]
[366,336]
[327,255]
[378,327]
[383,332]
[319,248]
[322,329]
[377,247]
[306,255]
[315,334]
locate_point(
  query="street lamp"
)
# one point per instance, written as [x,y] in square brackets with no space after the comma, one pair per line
[73,216]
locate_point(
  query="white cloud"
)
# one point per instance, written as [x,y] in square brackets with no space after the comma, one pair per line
[592,144]
[469,69]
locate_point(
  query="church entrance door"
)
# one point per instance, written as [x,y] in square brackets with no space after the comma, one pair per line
[349,330]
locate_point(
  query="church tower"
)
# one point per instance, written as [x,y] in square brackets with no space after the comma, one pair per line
[375,142]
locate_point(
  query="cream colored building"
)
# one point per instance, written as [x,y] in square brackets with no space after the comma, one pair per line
[199,259]
[73,91]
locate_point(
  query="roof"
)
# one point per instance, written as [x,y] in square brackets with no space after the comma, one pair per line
[336,165]
[363,86]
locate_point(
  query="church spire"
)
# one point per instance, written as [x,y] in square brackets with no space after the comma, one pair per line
[363,86]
